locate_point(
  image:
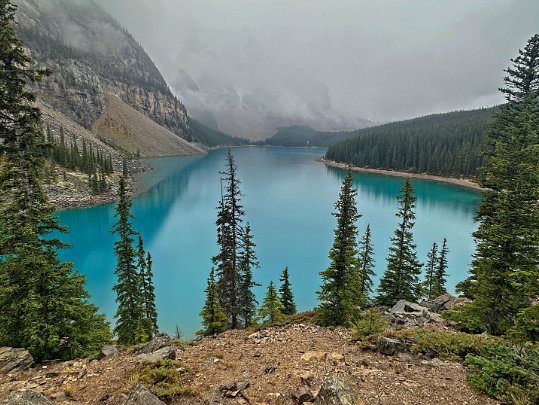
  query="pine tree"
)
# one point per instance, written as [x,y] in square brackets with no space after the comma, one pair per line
[144,264]
[229,237]
[149,296]
[504,272]
[440,273]
[272,308]
[401,278]
[286,295]
[214,318]
[339,293]
[44,303]
[366,263]
[247,261]
[431,268]
[130,313]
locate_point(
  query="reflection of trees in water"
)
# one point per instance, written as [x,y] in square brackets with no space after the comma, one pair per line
[430,194]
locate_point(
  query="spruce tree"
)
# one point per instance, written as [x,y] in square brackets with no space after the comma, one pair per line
[401,278]
[130,313]
[247,261]
[214,318]
[149,296]
[366,264]
[286,295]
[272,308]
[229,238]
[339,293]
[440,273]
[144,263]
[504,272]
[431,268]
[44,303]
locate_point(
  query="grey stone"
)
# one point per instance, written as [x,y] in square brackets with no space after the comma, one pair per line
[156,343]
[139,395]
[107,351]
[336,391]
[391,346]
[27,397]
[403,306]
[161,354]
[14,359]
[302,394]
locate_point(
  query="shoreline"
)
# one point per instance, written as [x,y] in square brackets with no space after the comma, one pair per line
[467,183]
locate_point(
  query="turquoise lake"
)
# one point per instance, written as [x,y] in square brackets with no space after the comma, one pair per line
[288,200]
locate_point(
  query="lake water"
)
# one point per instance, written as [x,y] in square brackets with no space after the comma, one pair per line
[288,199]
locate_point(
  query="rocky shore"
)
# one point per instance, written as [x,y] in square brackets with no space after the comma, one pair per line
[462,182]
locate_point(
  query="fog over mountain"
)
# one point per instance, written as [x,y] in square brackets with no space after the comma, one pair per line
[254,65]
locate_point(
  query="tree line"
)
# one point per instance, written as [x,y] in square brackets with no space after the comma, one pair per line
[441,144]
[87,160]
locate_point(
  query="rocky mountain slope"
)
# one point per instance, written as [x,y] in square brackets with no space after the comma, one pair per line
[93,60]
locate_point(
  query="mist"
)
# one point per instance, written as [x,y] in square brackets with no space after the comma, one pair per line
[250,66]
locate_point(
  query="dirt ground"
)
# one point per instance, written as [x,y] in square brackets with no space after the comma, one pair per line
[274,361]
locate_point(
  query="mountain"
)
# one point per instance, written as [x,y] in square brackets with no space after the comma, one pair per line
[441,144]
[256,113]
[94,60]
[300,136]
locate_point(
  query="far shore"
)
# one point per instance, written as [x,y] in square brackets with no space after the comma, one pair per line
[462,182]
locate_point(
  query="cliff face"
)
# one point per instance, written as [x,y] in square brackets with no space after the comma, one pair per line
[90,56]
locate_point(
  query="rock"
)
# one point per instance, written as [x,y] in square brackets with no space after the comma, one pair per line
[391,346]
[27,397]
[14,359]
[107,351]
[139,395]
[444,302]
[335,356]
[302,394]
[157,343]
[307,379]
[403,306]
[335,391]
[161,354]
[314,356]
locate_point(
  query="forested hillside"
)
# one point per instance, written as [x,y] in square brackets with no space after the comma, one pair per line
[196,131]
[300,136]
[441,144]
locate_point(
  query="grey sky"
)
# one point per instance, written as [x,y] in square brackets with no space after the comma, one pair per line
[376,59]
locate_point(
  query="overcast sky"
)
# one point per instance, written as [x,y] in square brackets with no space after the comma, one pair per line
[377,59]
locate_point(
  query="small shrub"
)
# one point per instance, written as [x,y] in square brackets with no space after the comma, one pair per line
[506,374]
[443,344]
[162,378]
[370,322]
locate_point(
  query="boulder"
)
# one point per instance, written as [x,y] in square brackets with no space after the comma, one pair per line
[14,359]
[392,346]
[156,343]
[407,307]
[444,302]
[27,397]
[314,356]
[336,391]
[139,395]
[107,351]
[161,354]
